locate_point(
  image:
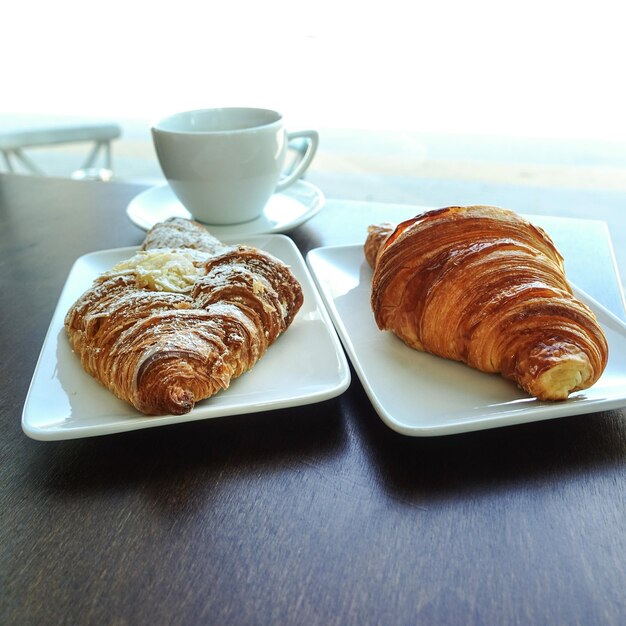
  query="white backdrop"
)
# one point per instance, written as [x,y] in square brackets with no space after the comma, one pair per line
[539,67]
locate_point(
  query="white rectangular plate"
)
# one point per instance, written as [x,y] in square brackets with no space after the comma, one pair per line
[305,365]
[422,395]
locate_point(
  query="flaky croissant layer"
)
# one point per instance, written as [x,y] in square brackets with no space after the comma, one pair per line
[483,286]
[172,326]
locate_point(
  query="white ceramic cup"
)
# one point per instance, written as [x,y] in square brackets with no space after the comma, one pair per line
[225,164]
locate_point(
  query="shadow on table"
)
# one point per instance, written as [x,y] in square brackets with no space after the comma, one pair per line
[416,470]
[199,457]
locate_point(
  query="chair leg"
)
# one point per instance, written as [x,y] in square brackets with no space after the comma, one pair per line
[7,161]
[91,157]
[27,163]
[107,155]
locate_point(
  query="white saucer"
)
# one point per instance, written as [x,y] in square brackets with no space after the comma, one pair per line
[285,210]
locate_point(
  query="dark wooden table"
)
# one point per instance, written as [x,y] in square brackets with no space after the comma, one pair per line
[314,515]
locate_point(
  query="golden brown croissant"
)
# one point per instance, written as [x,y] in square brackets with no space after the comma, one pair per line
[174,325]
[481,285]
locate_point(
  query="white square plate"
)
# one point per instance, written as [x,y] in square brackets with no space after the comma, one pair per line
[305,365]
[422,395]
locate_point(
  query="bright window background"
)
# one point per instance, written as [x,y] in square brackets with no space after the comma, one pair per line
[535,68]
[484,92]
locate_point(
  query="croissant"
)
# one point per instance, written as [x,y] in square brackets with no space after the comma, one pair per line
[483,286]
[178,321]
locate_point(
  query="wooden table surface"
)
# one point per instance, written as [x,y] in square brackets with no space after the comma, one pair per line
[314,515]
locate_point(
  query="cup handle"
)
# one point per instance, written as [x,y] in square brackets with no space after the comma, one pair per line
[305,157]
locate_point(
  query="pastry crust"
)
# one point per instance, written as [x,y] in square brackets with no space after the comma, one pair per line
[174,325]
[481,285]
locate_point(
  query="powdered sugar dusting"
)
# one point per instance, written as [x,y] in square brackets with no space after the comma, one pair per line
[173,325]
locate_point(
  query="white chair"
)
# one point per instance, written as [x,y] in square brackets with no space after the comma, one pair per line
[14,142]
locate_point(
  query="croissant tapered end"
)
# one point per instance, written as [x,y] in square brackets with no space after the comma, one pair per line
[377,234]
[483,286]
[176,401]
[178,232]
[564,370]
